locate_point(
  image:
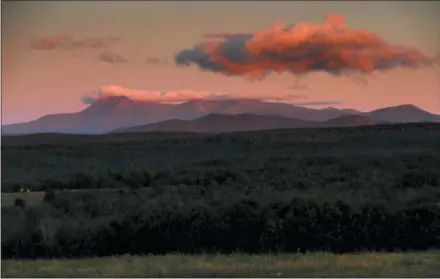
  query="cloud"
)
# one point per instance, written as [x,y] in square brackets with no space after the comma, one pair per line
[173,96]
[112,58]
[152,60]
[297,96]
[224,35]
[299,49]
[67,42]
[155,61]
[297,86]
[151,96]
[318,103]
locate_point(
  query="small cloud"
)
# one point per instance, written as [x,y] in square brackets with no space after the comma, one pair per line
[297,85]
[225,35]
[76,55]
[155,61]
[152,60]
[112,58]
[68,42]
[288,97]
[296,96]
[318,103]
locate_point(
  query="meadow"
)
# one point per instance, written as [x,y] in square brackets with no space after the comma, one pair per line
[339,190]
[404,265]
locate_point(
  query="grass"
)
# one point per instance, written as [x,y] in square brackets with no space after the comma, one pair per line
[415,264]
[31,198]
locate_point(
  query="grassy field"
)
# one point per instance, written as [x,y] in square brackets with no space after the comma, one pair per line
[31,198]
[237,265]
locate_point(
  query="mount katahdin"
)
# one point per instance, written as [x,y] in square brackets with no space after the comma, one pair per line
[117,112]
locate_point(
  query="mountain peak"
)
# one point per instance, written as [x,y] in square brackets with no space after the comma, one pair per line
[404,113]
[408,106]
[403,107]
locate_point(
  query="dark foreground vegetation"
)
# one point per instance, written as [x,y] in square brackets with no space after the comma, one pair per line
[338,190]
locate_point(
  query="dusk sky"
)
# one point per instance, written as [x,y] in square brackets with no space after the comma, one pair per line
[53,53]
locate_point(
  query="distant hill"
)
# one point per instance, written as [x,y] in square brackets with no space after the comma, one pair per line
[117,112]
[402,114]
[223,123]
[351,120]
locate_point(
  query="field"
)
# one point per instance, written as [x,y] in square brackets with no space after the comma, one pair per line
[307,190]
[407,265]
[31,198]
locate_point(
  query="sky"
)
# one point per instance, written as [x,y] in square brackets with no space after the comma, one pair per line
[59,55]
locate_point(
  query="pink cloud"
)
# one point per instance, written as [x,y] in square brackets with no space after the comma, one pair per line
[174,96]
[112,58]
[299,49]
[68,42]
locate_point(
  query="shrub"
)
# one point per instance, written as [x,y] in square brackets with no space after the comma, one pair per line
[19,202]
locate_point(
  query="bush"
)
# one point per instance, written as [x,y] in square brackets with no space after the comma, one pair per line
[19,202]
[49,195]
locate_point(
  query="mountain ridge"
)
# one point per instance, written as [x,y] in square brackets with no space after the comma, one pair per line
[116,112]
[225,123]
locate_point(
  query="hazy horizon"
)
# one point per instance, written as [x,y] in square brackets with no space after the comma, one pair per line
[57,56]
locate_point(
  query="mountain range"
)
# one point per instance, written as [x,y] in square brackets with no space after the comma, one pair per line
[119,113]
[223,123]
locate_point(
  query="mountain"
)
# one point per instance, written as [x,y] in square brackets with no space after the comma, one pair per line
[115,112]
[219,123]
[402,114]
[103,115]
[350,121]
[223,123]
[118,111]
